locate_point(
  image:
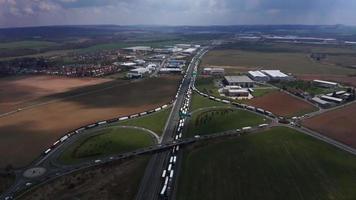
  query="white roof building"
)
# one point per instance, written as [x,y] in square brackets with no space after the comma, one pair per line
[128,64]
[275,73]
[190,50]
[258,76]
[326,83]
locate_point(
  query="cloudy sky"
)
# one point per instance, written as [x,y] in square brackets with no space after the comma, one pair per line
[176,12]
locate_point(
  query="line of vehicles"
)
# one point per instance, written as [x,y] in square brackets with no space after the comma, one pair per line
[168,173]
[101,123]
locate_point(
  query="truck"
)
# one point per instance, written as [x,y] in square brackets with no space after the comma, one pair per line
[164,173]
[247,128]
[123,118]
[102,123]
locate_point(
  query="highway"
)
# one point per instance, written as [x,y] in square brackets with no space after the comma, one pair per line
[151,182]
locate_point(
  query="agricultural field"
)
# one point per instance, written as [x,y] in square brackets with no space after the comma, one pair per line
[27,44]
[115,181]
[6,180]
[210,121]
[154,122]
[262,91]
[279,163]
[338,124]
[289,58]
[282,104]
[20,91]
[105,142]
[37,128]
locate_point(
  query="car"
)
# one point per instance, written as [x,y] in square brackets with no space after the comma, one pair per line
[8,198]
[197,136]
[97,161]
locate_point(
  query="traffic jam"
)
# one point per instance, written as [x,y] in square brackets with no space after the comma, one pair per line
[100,123]
[168,173]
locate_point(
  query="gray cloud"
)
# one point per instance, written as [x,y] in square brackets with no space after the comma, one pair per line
[175,12]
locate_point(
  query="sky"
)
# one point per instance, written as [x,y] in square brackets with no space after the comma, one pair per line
[17,13]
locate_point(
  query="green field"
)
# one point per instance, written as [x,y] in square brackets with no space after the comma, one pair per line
[259,92]
[207,86]
[276,164]
[291,62]
[154,122]
[27,44]
[217,120]
[108,141]
[199,101]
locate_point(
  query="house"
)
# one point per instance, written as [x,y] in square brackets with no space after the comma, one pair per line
[242,81]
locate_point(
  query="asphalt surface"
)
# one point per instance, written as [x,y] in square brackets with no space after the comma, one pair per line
[151,183]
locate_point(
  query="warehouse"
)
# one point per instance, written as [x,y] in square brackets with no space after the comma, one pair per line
[276,75]
[237,93]
[189,51]
[320,102]
[326,84]
[258,76]
[242,81]
[170,70]
[139,48]
[331,99]
[214,71]
[137,73]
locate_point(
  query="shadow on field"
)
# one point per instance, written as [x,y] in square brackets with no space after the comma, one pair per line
[21,140]
[119,93]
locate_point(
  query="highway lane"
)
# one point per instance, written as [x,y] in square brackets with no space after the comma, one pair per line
[151,183]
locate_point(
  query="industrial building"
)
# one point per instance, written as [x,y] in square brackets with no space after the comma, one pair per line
[137,73]
[235,91]
[276,75]
[321,103]
[190,51]
[214,71]
[128,64]
[258,76]
[170,70]
[242,81]
[326,84]
[139,48]
[331,99]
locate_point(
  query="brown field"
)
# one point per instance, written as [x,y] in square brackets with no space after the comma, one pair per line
[31,131]
[337,124]
[17,91]
[347,80]
[282,104]
[296,63]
